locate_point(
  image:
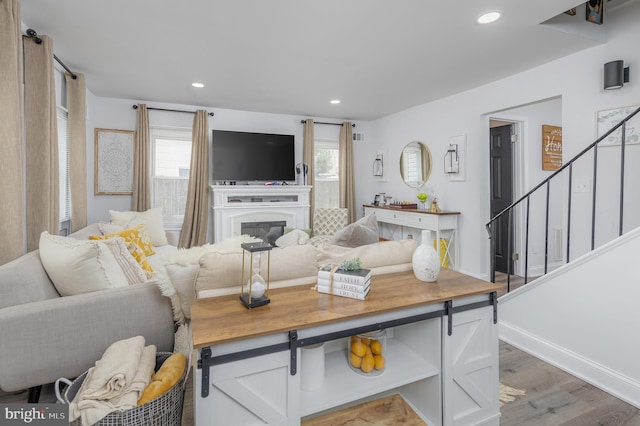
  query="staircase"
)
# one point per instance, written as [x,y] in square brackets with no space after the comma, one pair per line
[582,315]
[571,241]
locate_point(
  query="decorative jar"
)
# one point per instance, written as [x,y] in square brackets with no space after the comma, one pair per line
[367,353]
[425,260]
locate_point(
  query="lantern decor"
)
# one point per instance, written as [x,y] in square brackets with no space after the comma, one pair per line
[254,292]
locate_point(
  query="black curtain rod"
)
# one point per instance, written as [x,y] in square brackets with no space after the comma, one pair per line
[331,124]
[173,110]
[32,34]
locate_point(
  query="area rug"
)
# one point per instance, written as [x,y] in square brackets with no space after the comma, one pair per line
[509,394]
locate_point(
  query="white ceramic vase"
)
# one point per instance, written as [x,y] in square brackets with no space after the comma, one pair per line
[426,262]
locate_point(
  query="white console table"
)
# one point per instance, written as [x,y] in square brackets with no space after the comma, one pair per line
[441,225]
[232,205]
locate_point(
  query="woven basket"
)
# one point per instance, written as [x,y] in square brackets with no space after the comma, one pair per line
[165,410]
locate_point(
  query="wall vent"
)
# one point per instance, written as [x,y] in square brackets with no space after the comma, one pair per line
[358,136]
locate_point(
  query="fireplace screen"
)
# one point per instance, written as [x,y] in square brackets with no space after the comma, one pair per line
[269,232]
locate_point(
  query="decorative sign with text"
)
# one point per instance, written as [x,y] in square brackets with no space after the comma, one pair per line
[551,147]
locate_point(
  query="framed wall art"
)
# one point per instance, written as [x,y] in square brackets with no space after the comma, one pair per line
[113,162]
[608,118]
[594,11]
[551,147]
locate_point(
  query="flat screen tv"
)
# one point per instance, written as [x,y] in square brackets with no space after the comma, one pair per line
[247,157]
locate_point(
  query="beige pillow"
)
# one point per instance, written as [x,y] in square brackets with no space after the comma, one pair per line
[129,265]
[359,233]
[294,238]
[151,219]
[79,266]
[183,279]
[218,270]
[383,253]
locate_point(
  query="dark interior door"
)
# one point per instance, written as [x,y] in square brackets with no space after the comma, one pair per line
[501,192]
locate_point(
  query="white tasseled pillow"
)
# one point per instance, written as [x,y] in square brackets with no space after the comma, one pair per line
[79,266]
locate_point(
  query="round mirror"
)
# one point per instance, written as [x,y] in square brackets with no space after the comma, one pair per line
[415,164]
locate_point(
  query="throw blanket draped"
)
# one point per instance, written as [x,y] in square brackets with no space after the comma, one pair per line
[116,381]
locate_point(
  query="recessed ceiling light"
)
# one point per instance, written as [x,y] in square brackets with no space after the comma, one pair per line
[335,101]
[198,85]
[487,18]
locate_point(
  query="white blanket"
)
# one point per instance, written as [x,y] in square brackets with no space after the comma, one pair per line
[116,381]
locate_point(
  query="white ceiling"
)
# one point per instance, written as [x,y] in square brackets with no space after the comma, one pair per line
[293,56]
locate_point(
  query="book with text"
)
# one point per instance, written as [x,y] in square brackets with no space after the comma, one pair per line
[358,288]
[345,293]
[358,276]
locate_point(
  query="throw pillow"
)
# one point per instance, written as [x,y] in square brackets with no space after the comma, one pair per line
[306,230]
[138,243]
[293,238]
[152,219]
[137,236]
[109,228]
[359,233]
[79,266]
[129,265]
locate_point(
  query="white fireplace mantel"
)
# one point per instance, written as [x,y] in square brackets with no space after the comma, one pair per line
[232,205]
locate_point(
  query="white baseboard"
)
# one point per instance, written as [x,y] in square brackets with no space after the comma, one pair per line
[610,381]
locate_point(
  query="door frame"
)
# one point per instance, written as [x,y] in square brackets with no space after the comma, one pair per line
[519,172]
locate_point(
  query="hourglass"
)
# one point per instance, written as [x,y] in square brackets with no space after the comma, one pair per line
[254,291]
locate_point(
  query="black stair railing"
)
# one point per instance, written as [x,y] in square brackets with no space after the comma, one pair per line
[508,212]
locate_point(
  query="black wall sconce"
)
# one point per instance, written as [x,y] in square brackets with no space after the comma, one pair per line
[615,75]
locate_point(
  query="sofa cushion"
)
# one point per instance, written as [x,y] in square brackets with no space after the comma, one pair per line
[359,233]
[219,270]
[77,266]
[383,253]
[24,280]
[151,219]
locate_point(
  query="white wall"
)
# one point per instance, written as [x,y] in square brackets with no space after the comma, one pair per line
[112,113]
[583,318]
[577,79]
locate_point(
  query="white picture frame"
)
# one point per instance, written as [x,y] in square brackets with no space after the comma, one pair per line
[113,162]
[608,118]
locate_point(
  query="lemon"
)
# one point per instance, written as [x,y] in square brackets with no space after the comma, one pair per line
[368,363]
[366,341]
[376,347]
[355,360]
[378,362]
[358,348]
[355,339]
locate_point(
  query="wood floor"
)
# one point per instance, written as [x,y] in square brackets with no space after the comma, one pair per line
[553,397]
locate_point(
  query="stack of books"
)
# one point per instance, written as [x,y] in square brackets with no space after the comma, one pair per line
[354,284]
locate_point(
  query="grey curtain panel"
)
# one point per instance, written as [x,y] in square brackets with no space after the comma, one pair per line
[11,166]
[43,201]
[141,200]
[308,159]
[347,180]
[77,134]
[194,227]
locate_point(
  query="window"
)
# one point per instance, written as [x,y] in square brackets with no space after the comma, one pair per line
[63,158]
[171,161]
[326,173]
[412,166]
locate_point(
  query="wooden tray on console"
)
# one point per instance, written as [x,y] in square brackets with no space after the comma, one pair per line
[403,206]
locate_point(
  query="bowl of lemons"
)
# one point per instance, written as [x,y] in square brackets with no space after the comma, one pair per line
[367,353]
